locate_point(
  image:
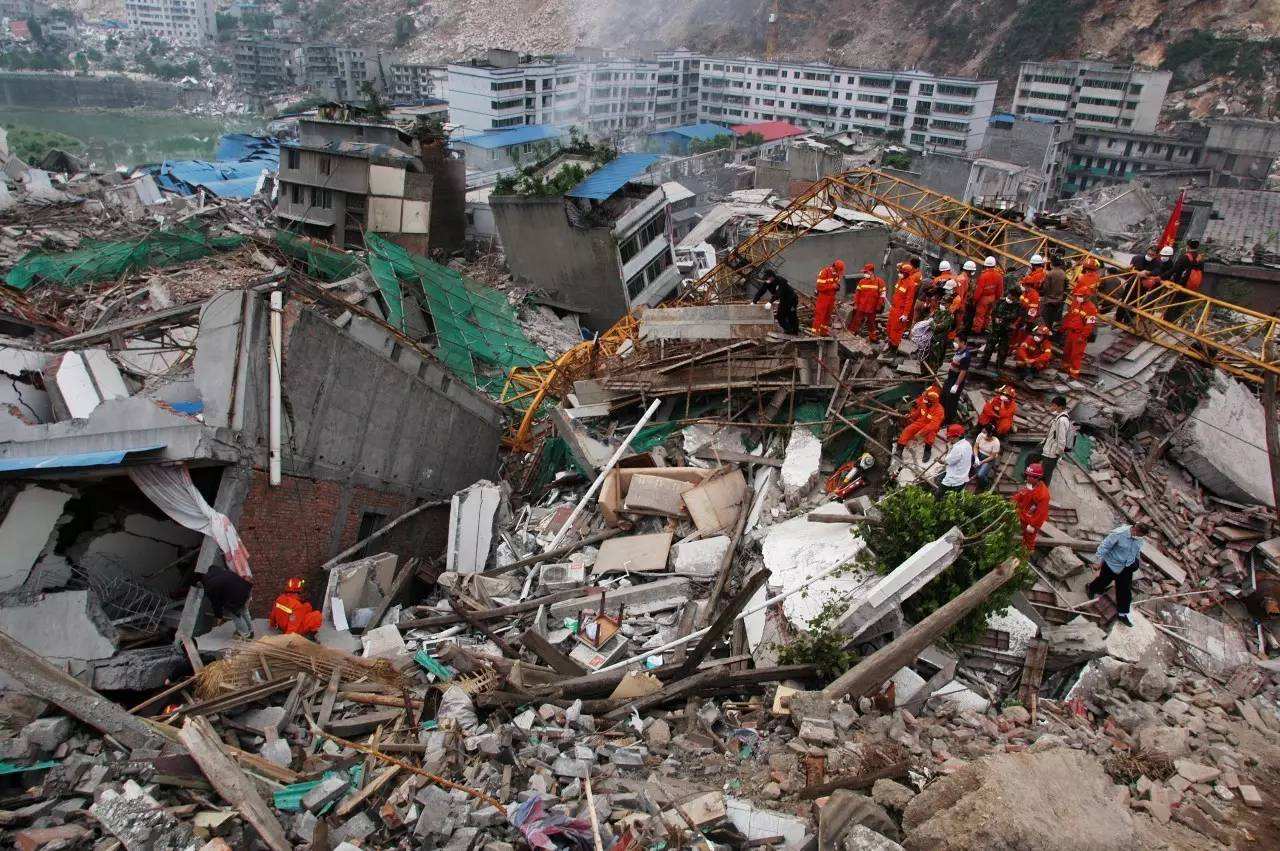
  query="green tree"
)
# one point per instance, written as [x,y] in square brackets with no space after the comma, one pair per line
[405,28]
[37,31]
[111,43]
[900,160]
[912,517]
[82,63]
[225,21]
[716,143]
[750,140]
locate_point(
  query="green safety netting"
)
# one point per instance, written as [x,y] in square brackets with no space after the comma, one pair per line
[473,323]
[98,261]
[326,263]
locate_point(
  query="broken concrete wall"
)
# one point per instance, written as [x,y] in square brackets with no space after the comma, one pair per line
[65,625]
[805,257]
[1223,443]
[25,532]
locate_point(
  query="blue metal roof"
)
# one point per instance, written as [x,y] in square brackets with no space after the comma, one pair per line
[107,458]
[612,176]
[240,159]
[514,136]
[701,131]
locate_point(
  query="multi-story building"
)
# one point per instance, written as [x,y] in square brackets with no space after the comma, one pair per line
[676,98]
[1092,95]
[1040,144]
[178,21]
[506,90]
[1109,157]
[336,71]
[412,82]
[264,66]
[921,110]
[621,95]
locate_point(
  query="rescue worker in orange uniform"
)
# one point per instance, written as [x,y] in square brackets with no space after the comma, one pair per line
[1035,278]
[1077,328]
[1030,318]
[903,303]
[868,298]
[936,292]
[1088,280]
[986,292]
[1032,501]
[961,299]
[923,421]
[1188,269]
[825,303]
[293,615]
[1035,352]
[1000,410]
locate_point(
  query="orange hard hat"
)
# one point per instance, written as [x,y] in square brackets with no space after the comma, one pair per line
[870,267]
[838,265]
[932,393]
[294,584]
[954,430]
[1007,390]
[1035,471]
[1090,263]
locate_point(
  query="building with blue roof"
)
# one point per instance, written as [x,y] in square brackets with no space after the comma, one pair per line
[498,150]
[605,181]
[677,141]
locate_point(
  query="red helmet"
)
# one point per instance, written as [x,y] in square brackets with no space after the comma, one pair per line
[870,267]
[1035,471]
[1008,390]
[933,393]
[838,265]
[1090,263]
[294,585]
[954,430]
[1042,331]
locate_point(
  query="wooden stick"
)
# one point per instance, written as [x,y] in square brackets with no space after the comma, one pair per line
[855,781]
[726,561]
[723,621]
[232,783]
[591,808]
[559,662]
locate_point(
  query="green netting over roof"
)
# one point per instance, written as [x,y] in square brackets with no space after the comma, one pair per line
[473,322]
[323,262]
[98,261]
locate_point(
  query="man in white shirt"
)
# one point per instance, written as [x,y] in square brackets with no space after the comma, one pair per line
[959,461]
[1055,442]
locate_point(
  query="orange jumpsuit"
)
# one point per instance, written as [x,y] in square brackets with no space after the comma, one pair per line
[902,305]
[1030,301]
[924,421]
[1033,511]
[1077,327]
[825,303]
[1086,283]
[1033,354]
[999,410]
[1035,279]
[987,291]
[867,300]
[292,614]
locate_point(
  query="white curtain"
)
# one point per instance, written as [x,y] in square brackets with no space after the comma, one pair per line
[170,487]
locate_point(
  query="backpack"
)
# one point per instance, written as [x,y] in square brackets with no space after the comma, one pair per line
[1069,441]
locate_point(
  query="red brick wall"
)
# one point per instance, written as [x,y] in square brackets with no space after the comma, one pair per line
[292,529]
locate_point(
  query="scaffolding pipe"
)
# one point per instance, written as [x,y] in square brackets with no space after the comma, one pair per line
[277,308]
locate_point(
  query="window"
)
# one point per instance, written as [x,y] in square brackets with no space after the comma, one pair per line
[325,165]
[321,198]
[635,243]
[294,158]
[902,87]
[295,193]
[957,91]
[875,82]
[926,90]
[648,274]
[506,86]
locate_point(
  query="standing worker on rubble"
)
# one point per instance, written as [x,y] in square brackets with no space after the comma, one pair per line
[957,375]
[960,299]
[1032,502]
[986,292]
[1004,323]
[1054,293]
[293,615]
[824,303]
[1029,301]
[1035,277]
[1090,277]
[923,421]
[1188,269]
[1000,410]
[942,324]
[904,302]
[1118,558]
[784,300]
[959,461]
[1034,353]
[868,298]
[1077,327]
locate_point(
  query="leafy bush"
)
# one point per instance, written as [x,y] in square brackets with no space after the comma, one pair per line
[821,644]
[706,146]
[896,159]
[1203,54]
[912,517]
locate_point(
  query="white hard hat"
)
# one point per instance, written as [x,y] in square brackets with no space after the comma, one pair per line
[990,262]
[1167,251]
[970,266]
[1037,260]
[944,266]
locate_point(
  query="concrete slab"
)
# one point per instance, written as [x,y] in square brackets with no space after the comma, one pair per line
[1223,443]
[715,504]
[1131,644]
[877,599]
[139,669]
[656,495]
[797,550]
[25,532]
[634,554]
[661,595]
[471,520]
[801,463]
[65,625]
[700,559]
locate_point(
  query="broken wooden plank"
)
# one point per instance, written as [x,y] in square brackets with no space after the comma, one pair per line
[549,653]
[347,727]
[724,619]
[232,783]
[710,453]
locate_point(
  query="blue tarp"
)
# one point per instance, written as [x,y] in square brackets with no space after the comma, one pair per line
[602,183]
[241,159]
[515,136]
[107,458]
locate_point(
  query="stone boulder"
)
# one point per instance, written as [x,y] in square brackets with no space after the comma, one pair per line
[1042,801]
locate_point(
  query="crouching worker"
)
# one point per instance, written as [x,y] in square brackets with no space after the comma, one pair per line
[923,421]
[228,595]
[293,615]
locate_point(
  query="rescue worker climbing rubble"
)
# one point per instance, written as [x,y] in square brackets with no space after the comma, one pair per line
[1032,502]
[987,291]
[824,304]
[868,298]
[1088,280]
[293,615]
[784,301]
[923,421]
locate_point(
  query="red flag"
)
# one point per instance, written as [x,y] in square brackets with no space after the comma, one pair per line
[1170,235]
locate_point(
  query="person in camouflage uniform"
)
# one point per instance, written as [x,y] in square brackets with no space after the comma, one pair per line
[1005,317]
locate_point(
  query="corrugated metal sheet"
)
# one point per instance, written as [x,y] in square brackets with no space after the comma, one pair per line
[514,136]
[701,131]
[612,176]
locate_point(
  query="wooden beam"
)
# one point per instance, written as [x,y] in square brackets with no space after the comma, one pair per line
[46,682]
[724,619]
[232,783]
[726,561]
[871,672]
[502,611]
[559,662]
[359,545]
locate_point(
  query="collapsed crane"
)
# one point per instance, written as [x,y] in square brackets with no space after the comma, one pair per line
[1233,338]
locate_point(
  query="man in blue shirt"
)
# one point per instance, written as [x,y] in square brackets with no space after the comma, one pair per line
[1117,560]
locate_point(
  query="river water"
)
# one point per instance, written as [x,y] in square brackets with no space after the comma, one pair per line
[131,137]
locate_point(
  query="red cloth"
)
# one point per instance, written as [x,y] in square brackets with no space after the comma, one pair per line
[1033,510]
[1000,411]
[1170,234]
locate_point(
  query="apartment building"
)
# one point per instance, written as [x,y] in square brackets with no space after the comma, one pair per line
[506,89]
[336,71]
[676,97]
[1092,95]
[413,82]
[179,21]
[922,111]
[265,66]
[621,95]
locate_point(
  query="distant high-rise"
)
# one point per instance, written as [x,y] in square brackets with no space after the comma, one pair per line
[179,21]
[1093,95]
